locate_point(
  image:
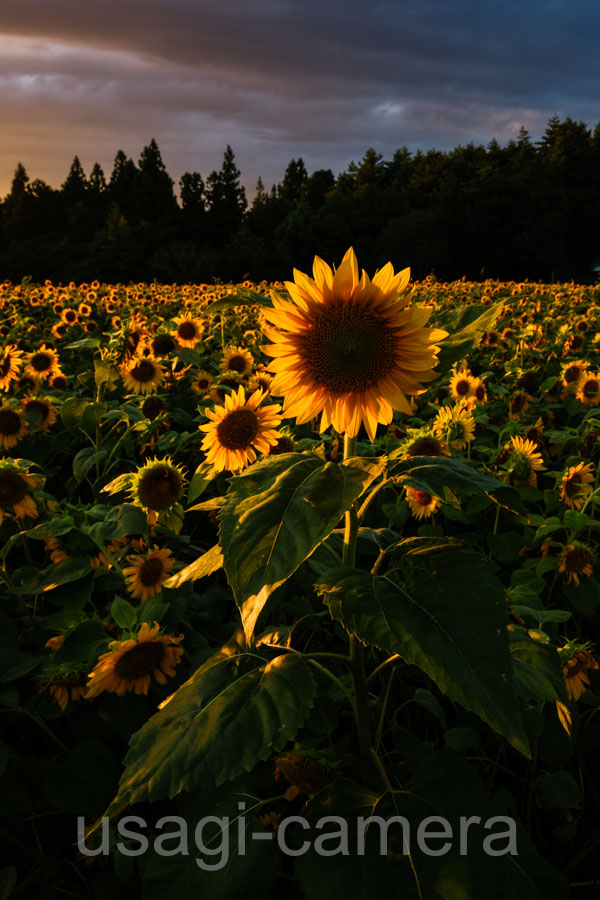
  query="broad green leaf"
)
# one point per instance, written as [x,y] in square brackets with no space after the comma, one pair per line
[434,474]
[54,528]
[558,790]
[466,329]
[82,781]
[276,513]
[236,710]
[123,613]
[121,521]
[54,576]
[241,297]
[14,663]
[209,562]
[72,410]
[85,460]
[440,608]
[537,668]
[200,480]
[105,373]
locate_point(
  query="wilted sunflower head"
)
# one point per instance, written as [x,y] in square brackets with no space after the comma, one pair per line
[577,559]
[349,348]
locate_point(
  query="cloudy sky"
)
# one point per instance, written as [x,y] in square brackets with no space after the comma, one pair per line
[278,79]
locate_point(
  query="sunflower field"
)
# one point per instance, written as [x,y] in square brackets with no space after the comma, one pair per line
[298,589]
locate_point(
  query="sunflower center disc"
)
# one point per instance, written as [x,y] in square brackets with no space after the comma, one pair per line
[591,388]
[12,488]
[159,488]
[144,371]
[237,364]
[151,571]
[10,422]
[426,446]
[37,406]
[423,498]
[238,429]
[140,660]
[573,485]
[348,349]
[41,362]
[187,331]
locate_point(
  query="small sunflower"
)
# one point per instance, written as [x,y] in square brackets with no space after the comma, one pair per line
[219,390]
[575,485]
[455,425]
[201,383]
[576,560]
[129,665]
[59,382]
[13,427]
[42,407]
[523,461]
[42,363]
[422,505]
[188,331]
[157,487]
[237,359]
[588,389]
[349,348]
[142,375]
[15,484]
[145,575]
[572,372]
[423,442]
[69,316]
[10,364]
[65,685]
[162,345]
[260,380]
[239,429]
[519,403]
[462,385]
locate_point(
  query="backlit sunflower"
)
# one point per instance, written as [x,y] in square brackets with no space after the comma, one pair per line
[129,665]
[142,375]
[588,389]
[422,505]
[236,359]
[15,485]
[576,560]
[523,461]
[189,330]
[10,364]
[572,372]
[157,487]
[455,425]
[201,383]
[519,403]
[162,344]
[577,661]
[239,430]
[462,385]
[575,485]
[13,427]
[43,363]
[145,575]
[43,410]
[349,348]
[260,380]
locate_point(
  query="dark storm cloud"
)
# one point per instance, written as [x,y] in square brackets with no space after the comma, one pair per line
[324,79]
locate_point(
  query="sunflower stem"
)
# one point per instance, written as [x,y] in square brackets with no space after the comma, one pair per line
[357,661]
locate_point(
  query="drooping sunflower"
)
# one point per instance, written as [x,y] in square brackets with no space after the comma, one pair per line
[42,363]
[239,430]
[519,403]
[237,359]
[577,662]
[455,425]
[10,364]
[523,461]
[145,575]
[142,375]
[13,427]
[64,685]
[576,485]
[576,560]
[588,389]
[130,664]
[188,331]
[157,487]
[15,484]
[349,348]
[422,504]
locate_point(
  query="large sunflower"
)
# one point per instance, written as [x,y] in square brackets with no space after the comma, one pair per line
[145,575]
[13,427]
[10,363]
[349,348]
[240,429]
[130,664]
[142,375]
[14,491]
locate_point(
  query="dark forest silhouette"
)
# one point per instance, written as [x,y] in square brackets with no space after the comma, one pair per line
[523,210]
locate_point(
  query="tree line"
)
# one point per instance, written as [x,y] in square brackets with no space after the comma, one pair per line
[523,210]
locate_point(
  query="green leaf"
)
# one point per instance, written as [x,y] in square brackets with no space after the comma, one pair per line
[241,297]
[121,521]
[537,669]
[433,474]
[71,412]
[123,613]
[233,712]
[54,576]
[82,781]
[466,329]
[441,609]
[209,562]
[276,513]
[88,343]
[505,547]
[577,521]
[14,663]
[8,881]
[105,373]
[558,790]
[54,528]
[85,460]
[92,416]
[201,478]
